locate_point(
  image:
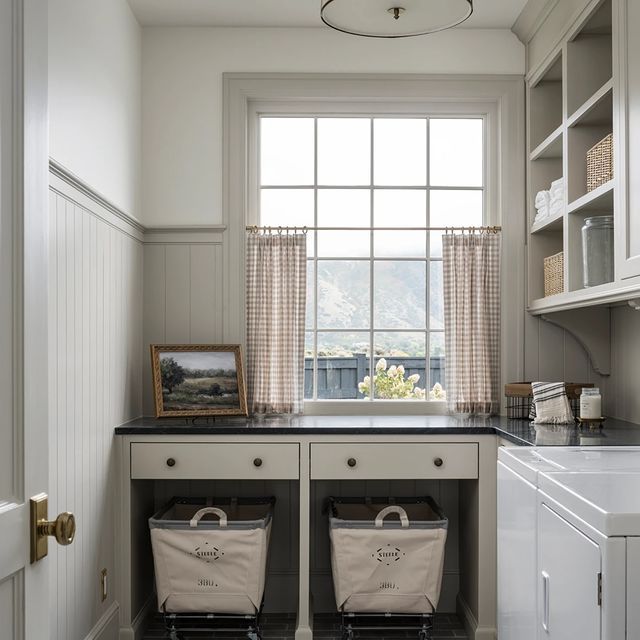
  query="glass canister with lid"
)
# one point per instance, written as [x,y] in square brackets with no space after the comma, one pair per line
[597,250]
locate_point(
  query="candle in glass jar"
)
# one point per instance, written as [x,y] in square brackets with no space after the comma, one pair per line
[590,404]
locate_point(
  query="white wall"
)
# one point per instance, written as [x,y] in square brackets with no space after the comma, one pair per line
[182,94]
[94,96]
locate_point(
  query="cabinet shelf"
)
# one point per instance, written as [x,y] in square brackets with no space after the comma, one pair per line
[552,223]
[550,148]
[604,294]
[597,110]
[600,199]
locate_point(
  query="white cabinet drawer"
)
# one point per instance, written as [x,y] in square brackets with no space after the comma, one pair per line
[397,461]
[219,461]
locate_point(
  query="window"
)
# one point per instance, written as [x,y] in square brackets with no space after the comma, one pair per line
[371,185]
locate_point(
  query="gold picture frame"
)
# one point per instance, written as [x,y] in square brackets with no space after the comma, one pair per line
[216,386]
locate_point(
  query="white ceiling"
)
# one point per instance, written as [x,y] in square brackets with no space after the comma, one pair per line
[487,14]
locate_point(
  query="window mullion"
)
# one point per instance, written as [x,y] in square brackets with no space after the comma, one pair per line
[315,258]
[427,337]
[371,263]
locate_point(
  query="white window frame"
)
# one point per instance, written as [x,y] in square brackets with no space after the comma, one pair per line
[499,100]
[319,110]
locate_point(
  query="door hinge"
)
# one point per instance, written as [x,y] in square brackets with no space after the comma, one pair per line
[599,589]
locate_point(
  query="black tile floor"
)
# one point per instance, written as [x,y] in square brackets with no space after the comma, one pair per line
[326,627]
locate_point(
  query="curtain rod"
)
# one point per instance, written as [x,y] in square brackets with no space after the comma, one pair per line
[252,228]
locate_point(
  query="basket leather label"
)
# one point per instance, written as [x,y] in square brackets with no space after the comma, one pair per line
[207,553]
[388,555]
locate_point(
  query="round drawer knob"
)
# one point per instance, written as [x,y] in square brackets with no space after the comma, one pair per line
[171,462]
[257,462]
[438,462]
[352,462]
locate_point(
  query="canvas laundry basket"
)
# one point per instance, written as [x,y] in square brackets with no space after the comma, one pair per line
[210,556]
[387,555]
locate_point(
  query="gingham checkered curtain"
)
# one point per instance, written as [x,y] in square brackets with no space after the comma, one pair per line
[471,274]
[276,298]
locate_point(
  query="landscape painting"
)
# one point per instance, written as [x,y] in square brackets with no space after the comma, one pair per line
[198,380]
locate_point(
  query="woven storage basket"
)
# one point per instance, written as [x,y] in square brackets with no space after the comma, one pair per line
[519,397]
[554,274]
[600,163]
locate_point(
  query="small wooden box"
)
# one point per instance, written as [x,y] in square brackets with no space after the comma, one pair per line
[600,163]
[554,274]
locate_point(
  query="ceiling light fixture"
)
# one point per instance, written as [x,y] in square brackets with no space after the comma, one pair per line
[394,18]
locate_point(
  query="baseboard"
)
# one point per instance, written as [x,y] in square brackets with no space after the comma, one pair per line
[107,627]
[139,622]
[474,632]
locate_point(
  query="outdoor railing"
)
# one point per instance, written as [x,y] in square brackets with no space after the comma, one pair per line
[338,378]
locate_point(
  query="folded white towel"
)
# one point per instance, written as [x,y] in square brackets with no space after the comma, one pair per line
[556,199]
[556,208]
[540,218]
[557,184]
[551,403]
[542,199]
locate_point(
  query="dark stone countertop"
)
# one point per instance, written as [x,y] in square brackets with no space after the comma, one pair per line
[519,432]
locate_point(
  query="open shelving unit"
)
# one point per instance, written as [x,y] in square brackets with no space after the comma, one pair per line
[570,109]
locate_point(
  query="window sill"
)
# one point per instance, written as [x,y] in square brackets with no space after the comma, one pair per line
[375,408]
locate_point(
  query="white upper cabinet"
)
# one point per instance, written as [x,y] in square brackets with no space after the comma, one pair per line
[627,22]
[583,88]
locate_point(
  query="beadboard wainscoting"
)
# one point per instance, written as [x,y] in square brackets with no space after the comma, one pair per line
[95,327]
[621,392]
[183,284]
[552,353]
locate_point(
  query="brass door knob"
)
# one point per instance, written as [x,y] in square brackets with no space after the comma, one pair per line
[438,462]
[63,528]
[352,462]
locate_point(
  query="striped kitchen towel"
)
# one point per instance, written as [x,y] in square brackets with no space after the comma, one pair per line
[551,403]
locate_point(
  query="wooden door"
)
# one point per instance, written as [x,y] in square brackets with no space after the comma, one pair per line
[24,607]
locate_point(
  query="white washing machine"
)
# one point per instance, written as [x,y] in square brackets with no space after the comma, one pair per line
[569,543]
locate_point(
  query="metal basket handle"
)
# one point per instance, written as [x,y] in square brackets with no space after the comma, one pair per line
[203,512]
[393,508]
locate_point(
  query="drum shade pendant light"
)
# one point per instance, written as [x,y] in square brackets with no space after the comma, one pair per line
[394,18]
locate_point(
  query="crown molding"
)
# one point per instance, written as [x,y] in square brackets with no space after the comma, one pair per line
[531,18]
